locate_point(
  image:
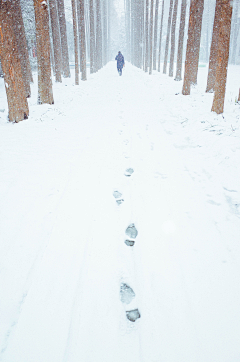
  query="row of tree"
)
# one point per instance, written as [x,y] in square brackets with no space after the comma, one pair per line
[52,47]
[143,29]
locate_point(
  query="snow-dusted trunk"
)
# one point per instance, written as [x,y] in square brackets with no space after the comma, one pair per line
[146,60]
[56,40]
[151,39]
[98,35]
[45,93]
[82,39]
[128,29]
[223,56]
[160,37]
[64,43]
[214,49]
[155,36]
[22,45]
[193,45]
[92,36]
[75,34]
[168,37]
[234,32]
[239,95]
[11,66]
[180,40]
[104,19]
[173,30]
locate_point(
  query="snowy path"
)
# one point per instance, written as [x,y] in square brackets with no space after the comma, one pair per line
[63,258]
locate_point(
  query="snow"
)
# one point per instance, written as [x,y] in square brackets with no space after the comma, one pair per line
[63,257]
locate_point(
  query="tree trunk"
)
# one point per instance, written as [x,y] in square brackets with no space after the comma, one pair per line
[45,94]
[239,95]
[22,45]
[98,35]
[104,32]
[180,40]
[82,38]
[151,39]
[214,49]
[160,37]
[56,40]
[11,66]
[92,36]
[223,56]
[146,36]
[174,20]
[64,43]
[75,34]
[168,37]
[193,45]
[234,33]
[155,36]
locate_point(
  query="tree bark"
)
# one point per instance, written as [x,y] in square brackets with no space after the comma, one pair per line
[180,40]
[64,43]
[22,46]
[56,40]
[234,33]
[45,94]
[193,45]
[92,36]
[173,30]
[75,34]
[82,39]
[168,37]
[160,37]
[104,32]
[98,36]
[214,49]
[146,36]
[11,66]
[151,39]
[223,56]
[239,95]
[155,36]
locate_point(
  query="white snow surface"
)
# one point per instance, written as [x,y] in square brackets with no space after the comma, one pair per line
[62,252]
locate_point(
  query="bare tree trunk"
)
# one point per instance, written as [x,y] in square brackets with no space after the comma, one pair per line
[214,49]
[174,20]
[234,33]
[11,66]
[160,37]
[104,32]
[180,40]
[168,37]
[146,36]
[193,45]
[45,94]
[22,45]
[82,38]
[98,35]
[64,43]
[56,40]
[151,39]
[239,95]
[92,36]
[155,36]
[223,56]
[109,29]
[75,34]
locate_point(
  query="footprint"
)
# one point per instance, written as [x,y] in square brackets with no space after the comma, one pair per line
[133,315]
[126,293]
[129,172]
[118,196]
[129,242]
[131,231]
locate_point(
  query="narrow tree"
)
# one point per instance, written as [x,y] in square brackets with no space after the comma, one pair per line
[234,32]
[155,36]
[22,45]
[151,38]
[45,94]
[92,36]
[214,49]
[82,39]
[160,37]
[56,40]
[180,40]
[174,20]
[64,43]
[168,37]
[11,66]
[146,36]
[223,56]
[75,34]
[193,45]
[239,95]
[98,35]
[104,20]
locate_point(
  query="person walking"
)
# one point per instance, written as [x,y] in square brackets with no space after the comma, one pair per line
[120,62]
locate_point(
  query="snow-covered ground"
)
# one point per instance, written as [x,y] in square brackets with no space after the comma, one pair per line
[63,257]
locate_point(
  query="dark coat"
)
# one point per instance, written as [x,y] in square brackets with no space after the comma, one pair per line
[120,60]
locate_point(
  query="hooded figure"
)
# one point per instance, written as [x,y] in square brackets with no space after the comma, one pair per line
[120,62]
